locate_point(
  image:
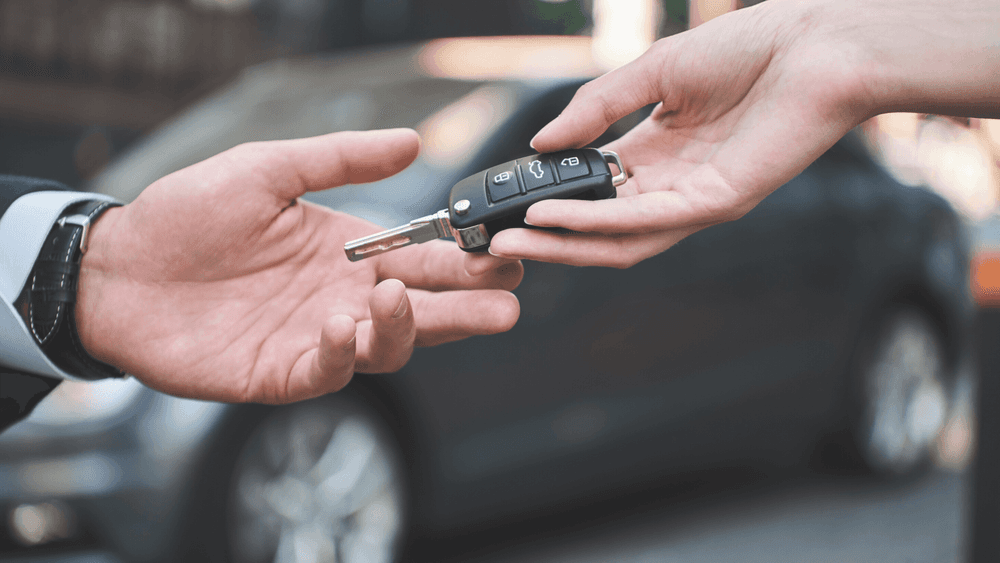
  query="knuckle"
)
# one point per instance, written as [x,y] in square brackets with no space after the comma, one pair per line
[595,93]
[244,149]
[659,49]
[587,90]
[609,111]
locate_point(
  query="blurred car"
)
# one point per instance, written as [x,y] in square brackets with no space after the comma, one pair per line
[838,307]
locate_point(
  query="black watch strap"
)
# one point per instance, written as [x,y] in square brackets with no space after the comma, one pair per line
[52,293]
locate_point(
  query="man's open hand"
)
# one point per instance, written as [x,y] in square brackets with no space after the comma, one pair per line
[218,283]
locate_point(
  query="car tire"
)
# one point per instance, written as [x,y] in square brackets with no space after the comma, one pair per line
[900,394]
[318,481]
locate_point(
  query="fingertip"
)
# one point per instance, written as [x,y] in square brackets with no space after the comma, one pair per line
[550,212]
[543,141]
[340,331]
[402,308]
[388,300]
[505,244]
[510,275]
[539,137]
[406,135]
[407,131]
[393,329]
[507,312]
[402,141]
[336,355]
[402,133]
[531,217]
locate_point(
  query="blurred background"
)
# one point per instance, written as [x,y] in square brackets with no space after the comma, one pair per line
[83,79]
[799,385]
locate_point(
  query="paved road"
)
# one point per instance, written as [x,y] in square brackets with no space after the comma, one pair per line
[815,521]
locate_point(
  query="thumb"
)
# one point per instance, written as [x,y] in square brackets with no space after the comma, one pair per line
[601,102]
[327,161]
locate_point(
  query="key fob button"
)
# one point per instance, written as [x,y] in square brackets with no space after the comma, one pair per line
[501,182]
[571,165]
[536,172]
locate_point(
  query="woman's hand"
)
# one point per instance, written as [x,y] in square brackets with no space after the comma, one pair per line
[744,103]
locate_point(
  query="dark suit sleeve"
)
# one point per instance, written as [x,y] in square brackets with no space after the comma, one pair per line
[13,187]
[20,392]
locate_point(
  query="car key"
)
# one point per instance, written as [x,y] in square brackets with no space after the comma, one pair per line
[492,200]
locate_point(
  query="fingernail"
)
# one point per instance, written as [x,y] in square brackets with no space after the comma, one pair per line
[537,135]
[540,134]
[527,222]
[401,310]
[504,256]
[350,343]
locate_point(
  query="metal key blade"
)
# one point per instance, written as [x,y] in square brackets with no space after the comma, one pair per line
[416,231]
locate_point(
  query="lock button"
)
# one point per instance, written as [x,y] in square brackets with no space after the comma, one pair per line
[501,182]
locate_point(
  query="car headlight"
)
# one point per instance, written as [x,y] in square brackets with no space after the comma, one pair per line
[90,402]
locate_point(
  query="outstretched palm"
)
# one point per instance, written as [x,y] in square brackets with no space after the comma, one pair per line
[741,110]
[217,283]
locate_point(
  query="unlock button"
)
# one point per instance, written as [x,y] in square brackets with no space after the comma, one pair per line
[501,182]
[572,164]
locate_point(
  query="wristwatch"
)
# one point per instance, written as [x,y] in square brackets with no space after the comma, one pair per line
[51,293]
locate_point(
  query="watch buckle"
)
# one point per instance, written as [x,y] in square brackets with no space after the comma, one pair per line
[81,221]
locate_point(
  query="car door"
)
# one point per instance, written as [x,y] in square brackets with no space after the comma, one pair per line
[658,366]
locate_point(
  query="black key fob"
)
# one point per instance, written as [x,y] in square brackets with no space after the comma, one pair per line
[490,201]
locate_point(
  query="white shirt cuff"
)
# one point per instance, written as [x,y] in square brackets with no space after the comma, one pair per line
[23,229]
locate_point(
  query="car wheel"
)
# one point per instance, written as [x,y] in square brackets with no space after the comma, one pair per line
[902,394]
[317,481]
